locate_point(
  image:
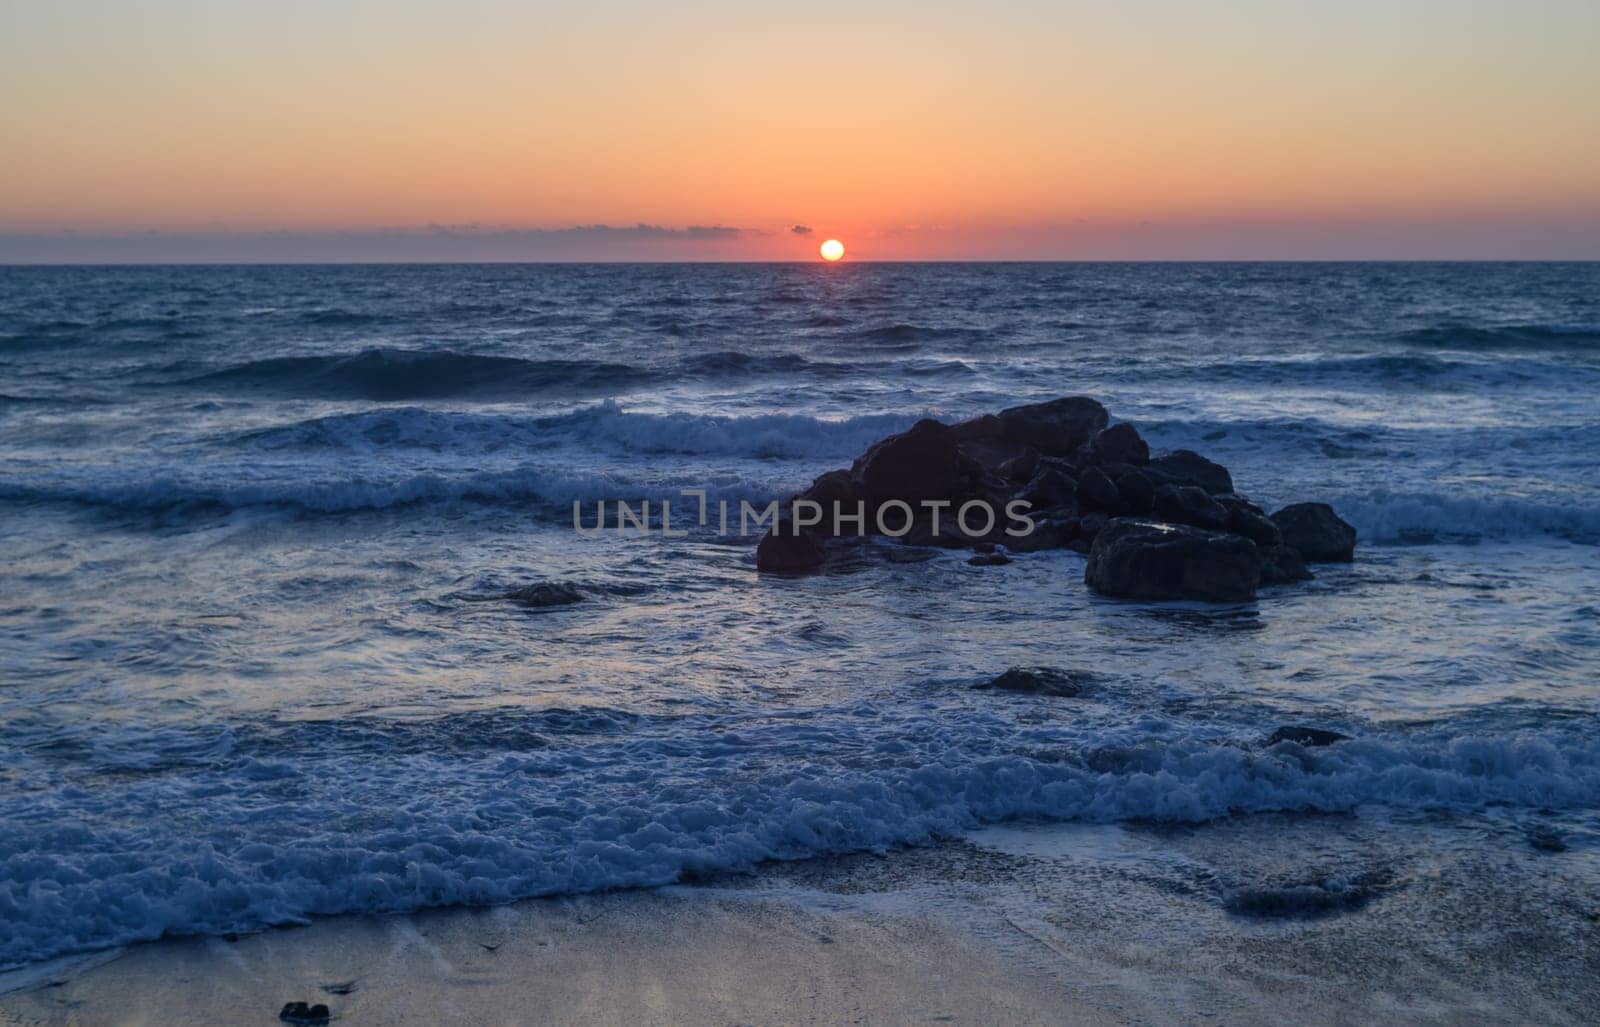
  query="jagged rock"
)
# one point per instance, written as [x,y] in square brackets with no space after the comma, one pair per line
[1188,504]
[1308,736]
[1055,428]
[1247,519]
[546,594]
[1118,444]
[840,496]
[918,464]
[1051,530]
[1282,565]
[1098,492]
[1075,472]
[1317,532]
[1185,467]
[1138,559]
[1050,487]
[781,552]
[1138,492]
[1036,681]
[1021,467]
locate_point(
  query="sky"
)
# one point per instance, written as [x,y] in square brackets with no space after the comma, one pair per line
[179,130]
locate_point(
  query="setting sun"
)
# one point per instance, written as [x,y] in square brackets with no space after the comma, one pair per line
[832,250]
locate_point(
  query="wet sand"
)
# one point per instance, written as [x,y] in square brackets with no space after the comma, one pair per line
[1024,925]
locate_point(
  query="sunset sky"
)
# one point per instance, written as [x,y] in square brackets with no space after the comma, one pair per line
[482,129]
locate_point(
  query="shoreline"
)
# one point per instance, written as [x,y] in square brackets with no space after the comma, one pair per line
[1015,924]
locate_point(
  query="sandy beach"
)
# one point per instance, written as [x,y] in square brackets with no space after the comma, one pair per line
[1018,925]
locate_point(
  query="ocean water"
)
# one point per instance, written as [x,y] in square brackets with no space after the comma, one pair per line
[258,524]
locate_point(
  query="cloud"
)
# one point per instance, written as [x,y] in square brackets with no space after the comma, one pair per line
[432,242]
[801,229]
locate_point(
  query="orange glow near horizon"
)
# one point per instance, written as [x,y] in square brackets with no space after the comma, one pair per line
[1025,130]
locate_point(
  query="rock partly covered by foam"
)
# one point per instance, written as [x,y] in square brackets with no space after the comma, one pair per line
[1166,526]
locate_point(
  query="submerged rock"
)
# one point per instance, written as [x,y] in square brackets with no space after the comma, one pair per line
[544,594]
[1136,559]
[1313,737]
[1036,681]
[1546,839]
[989,560]
[1317,532]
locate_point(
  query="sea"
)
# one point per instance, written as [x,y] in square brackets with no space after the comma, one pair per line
[259,526]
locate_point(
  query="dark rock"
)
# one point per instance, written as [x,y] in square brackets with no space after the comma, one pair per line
[1317,532]
[1305,901]
[1137,490]
[1036,681]
[1081,546]
[987,428]
[840,496]
[1091,524]
[1281,565]
[1050,531]
[1098,492]
[989,560]
[982,442]
[1138,559]
[922,463]
[1313,737]
[1546,840]
[1056,428]
[1021,467]
[1191,505]
[1049,487]
[1118,444]
[1184,467]
[781,552]
[546,594]
[1247,519]
[300,1012]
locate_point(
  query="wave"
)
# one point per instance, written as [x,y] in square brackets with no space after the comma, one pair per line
[524,815]
[518,486]
[394,374]
[605,426]
[908,336]
[1420,517]
[1554,337]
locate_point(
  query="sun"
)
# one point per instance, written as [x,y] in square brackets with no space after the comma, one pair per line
[832,250]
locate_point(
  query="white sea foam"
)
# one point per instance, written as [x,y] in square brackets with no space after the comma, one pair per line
[363,829]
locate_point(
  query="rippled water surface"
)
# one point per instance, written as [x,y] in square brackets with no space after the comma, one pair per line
[259,524]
